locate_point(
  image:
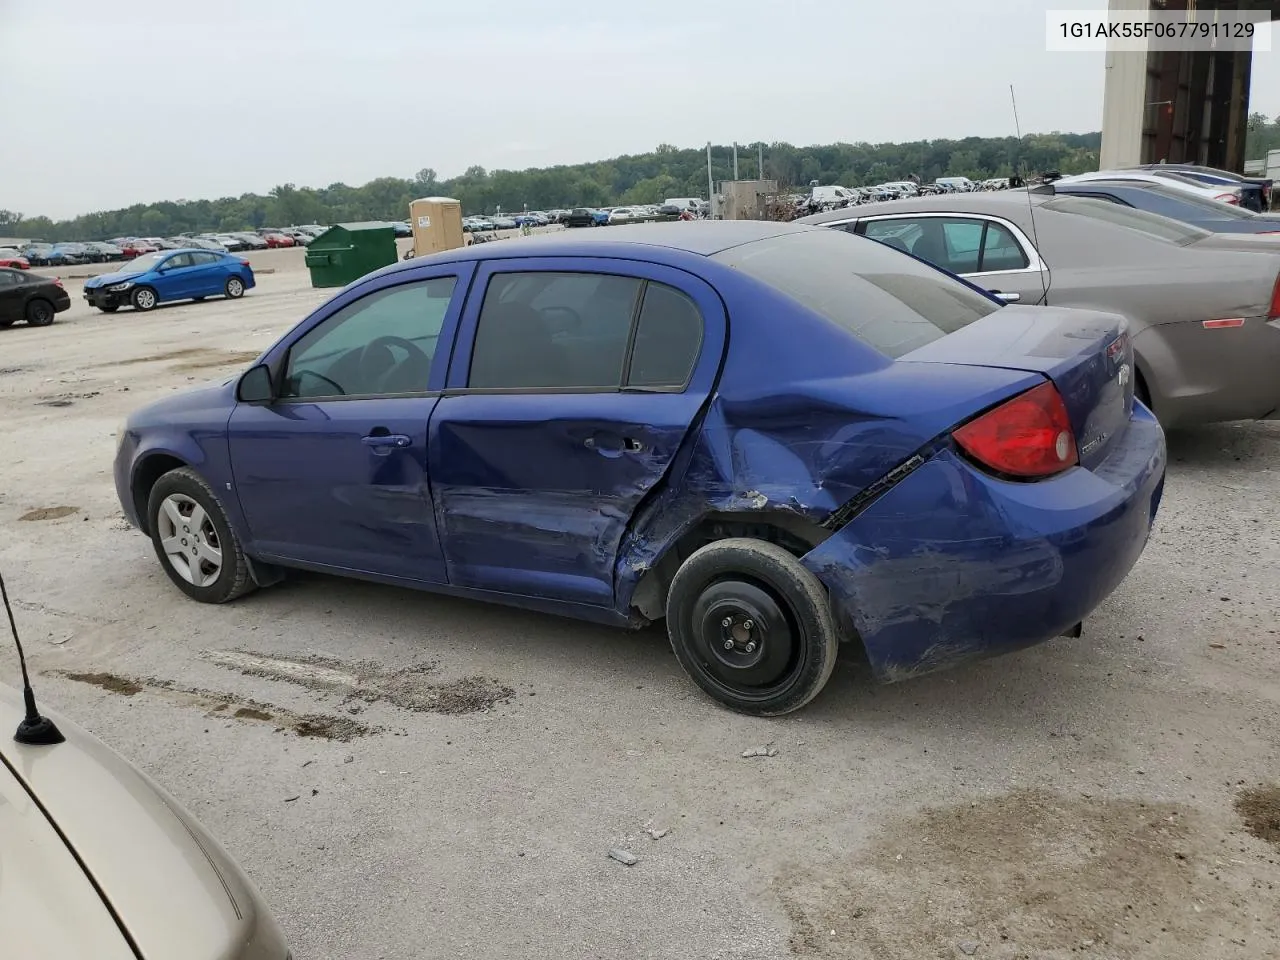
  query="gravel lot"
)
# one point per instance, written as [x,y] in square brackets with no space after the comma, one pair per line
[411,776]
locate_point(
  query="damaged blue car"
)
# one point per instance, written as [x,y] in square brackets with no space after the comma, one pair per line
[777,438]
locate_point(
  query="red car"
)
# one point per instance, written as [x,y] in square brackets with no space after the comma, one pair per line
[12,258]
[136,248]
[279,240]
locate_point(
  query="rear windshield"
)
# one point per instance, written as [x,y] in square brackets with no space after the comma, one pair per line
[1152,224]
[887,299]
[1215,208]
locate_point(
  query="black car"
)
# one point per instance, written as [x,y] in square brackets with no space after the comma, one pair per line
[1176,204]
[579,217]
[105,251]
[30,297]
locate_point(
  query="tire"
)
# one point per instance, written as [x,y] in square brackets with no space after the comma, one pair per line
[40,313]
[111,309]
[144,298]
[781,627]
[221,572]
[234,288]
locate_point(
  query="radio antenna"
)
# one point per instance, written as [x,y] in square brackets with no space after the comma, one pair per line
[1031,207]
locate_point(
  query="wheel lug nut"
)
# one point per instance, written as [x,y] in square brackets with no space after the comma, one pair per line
[751,646]
[748,624]
[728,644]
[727,622]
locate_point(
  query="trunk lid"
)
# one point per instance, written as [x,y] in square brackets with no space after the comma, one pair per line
[1087,355]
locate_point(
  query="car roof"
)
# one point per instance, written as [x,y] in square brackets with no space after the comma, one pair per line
[702,238]
[992,203]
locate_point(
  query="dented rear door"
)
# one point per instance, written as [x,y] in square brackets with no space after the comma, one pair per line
[573,383]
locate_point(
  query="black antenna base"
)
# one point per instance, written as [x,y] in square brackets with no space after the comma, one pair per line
[38,731]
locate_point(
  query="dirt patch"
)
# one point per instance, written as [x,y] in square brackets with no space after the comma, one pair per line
[217,358]
[108,681]
[49,513]
[468,695]
[4,370]
[329,728]
[66,399]
[194,358]
[412,688]
[218,703]
[1035,875]
[1259,808]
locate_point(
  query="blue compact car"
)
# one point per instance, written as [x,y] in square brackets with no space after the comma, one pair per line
[155,278]
[777,438]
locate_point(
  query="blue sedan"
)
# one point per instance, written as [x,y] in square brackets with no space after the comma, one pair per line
[155,278]
[777,438]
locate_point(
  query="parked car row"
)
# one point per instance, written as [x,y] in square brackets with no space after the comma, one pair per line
[39,254]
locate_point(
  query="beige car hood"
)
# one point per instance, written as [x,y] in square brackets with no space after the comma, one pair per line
[48,908]
[175,890]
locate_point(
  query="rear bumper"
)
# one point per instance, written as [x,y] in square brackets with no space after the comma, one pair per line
[952,565]
[1210,376]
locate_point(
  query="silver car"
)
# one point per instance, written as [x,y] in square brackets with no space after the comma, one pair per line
[1204,308]
[96,861]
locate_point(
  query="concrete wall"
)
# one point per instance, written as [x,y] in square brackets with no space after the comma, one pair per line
[742,199]
[1124,98]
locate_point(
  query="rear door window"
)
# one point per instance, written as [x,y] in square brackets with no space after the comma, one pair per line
[553,331]
[892,303]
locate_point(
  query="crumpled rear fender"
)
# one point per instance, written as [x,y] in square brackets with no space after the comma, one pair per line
[951,565]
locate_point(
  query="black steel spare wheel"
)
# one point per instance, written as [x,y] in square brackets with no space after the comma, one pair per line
[751,626]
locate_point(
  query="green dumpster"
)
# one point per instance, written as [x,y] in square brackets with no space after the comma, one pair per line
[347,251]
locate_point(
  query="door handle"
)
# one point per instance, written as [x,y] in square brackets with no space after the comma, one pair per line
[386,440]
[609,445]
[1006,297]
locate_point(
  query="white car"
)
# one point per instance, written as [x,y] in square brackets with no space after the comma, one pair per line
[1171,179]
[623,214]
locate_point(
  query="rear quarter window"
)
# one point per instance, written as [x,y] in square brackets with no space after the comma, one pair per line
[887,299]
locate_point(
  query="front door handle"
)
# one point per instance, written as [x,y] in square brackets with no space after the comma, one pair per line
[1006,297]
[386,440]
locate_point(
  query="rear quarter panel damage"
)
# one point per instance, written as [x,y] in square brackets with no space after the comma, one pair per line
[951,565]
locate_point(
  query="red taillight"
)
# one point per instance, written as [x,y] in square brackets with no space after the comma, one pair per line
[1028,436]
[1228,198]
[1222,324]
[244,263]
[57,281]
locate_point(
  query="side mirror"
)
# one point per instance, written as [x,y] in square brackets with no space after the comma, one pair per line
[255,386]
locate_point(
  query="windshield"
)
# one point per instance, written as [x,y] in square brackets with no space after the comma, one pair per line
[1152,224]
[887,299]
[148,261]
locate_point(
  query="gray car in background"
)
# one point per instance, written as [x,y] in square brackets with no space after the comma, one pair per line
[1204,309]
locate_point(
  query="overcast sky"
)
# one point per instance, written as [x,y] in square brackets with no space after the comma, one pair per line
[104,104]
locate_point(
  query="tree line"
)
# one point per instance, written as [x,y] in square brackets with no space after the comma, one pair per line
[667,171]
